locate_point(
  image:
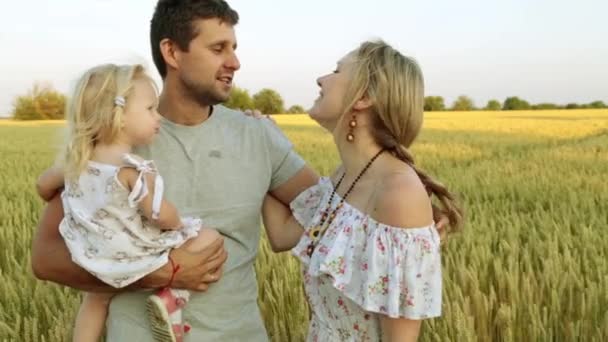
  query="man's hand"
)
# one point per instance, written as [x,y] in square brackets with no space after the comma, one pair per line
[196,270]
[441,223]
[442,228]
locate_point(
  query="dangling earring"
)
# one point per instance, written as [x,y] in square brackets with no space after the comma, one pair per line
[350,137]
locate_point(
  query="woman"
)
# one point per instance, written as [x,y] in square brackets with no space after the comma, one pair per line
[366,237]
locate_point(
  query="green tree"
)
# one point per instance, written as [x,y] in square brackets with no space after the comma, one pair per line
[515,103]
[545,106]
[268,101]
[573,106]
[463,103]
[239,99]
[296,109]
[434,104]
[597,104]
[41,103]
[493,105]
[25,109]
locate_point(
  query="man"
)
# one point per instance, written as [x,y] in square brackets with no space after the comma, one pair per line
[217,164]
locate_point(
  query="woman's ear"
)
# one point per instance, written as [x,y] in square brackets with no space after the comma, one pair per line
[362,104]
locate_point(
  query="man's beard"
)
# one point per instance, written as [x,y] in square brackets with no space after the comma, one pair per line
[205,96]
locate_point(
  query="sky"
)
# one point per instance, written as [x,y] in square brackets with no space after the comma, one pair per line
[540,50]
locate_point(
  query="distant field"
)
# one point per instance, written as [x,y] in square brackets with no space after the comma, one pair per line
[11,122]
[531,264]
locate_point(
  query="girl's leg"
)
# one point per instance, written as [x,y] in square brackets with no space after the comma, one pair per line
[195,245]
[91,317]
[164,307]
[204,238]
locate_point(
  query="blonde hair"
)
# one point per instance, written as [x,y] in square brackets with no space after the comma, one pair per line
[394,84]
[93,114]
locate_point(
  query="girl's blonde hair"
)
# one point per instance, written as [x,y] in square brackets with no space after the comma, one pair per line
[95,111]
[394,84]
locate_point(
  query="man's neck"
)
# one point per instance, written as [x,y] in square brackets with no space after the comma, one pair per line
[180,109]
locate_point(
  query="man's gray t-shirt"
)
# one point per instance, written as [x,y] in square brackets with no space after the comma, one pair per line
[219,171]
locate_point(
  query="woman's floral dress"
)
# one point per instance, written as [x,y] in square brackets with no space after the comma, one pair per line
[362,269]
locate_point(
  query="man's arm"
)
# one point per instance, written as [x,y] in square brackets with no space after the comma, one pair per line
[51,261]
[50,183]
[290,189]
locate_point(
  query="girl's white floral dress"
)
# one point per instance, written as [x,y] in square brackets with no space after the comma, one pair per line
[105,231]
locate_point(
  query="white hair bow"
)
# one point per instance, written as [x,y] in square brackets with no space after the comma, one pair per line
[120,101]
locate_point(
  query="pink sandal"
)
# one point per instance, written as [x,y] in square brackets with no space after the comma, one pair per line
[180,330]
[160,306]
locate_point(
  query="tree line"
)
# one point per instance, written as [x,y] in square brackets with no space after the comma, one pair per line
[465,103]
[43,102]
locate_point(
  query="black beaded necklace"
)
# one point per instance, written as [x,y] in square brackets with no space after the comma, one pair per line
[327,218]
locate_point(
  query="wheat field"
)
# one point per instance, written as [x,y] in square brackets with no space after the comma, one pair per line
[530,265]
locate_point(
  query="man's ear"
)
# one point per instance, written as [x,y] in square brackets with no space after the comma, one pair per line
[170,52]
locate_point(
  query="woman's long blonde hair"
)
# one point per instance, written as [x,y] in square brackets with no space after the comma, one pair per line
[394,84]
[94,115]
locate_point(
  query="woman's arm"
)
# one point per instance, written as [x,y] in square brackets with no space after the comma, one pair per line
[49,183]
[402,202]
[282,229]
[400,329]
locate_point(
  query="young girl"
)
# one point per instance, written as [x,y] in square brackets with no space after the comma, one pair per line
[366,238]
[117,225]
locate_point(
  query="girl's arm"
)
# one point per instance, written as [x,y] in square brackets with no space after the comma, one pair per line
[168,217]
[49,183]
[282,229]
